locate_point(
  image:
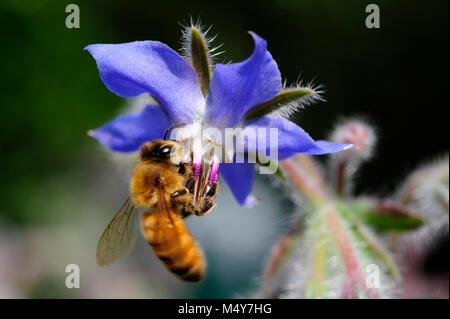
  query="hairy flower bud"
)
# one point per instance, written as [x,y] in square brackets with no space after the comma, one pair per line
[426,191]
[329,254]
[358,133]
[334,248]
[344,165]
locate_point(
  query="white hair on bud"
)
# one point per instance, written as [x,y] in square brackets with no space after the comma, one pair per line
[186,39]
[426,192]
[344,165]
[293,107]
[358,132]
[301,267]
[292,279]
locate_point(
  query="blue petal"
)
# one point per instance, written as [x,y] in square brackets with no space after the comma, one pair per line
[291,138]
[126,133]
[240,178]
[130,69]
[236,88]
[327,147]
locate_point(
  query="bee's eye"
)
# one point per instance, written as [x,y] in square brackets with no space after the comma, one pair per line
[155,152]
[164,151]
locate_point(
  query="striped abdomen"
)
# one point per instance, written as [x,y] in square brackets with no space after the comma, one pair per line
[173,244]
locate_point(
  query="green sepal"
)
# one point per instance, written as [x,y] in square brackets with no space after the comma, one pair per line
[281,99]
[200,59]
[388,217]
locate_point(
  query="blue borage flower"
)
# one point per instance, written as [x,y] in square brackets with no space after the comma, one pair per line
[248,95]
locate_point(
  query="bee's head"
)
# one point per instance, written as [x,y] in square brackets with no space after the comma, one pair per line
[162,150]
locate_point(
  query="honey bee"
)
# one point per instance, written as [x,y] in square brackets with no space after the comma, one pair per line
[169,191]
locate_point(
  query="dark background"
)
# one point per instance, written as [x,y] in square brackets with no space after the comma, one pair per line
[396,77]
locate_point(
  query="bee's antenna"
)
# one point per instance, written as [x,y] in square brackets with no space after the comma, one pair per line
[172,127]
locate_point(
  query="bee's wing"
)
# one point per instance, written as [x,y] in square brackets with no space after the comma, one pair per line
[119,237]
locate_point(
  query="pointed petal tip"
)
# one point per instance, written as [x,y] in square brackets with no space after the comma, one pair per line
[253,34]
[89,47]
[327,147]
[251,201]
[237,87]
[239,178]
[256,38]
[349,146]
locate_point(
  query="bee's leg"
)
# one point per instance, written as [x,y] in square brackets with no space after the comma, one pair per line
[179,193]
[182,197]
[190,185]
[212,190]
[207,205]
[187,211]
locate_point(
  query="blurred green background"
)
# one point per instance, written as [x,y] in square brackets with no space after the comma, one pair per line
[59,188]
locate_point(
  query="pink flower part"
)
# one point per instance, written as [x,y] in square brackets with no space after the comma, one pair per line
[196,165]
[214,172]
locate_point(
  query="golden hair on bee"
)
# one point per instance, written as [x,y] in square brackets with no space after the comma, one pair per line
[165,187]
[159,159]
